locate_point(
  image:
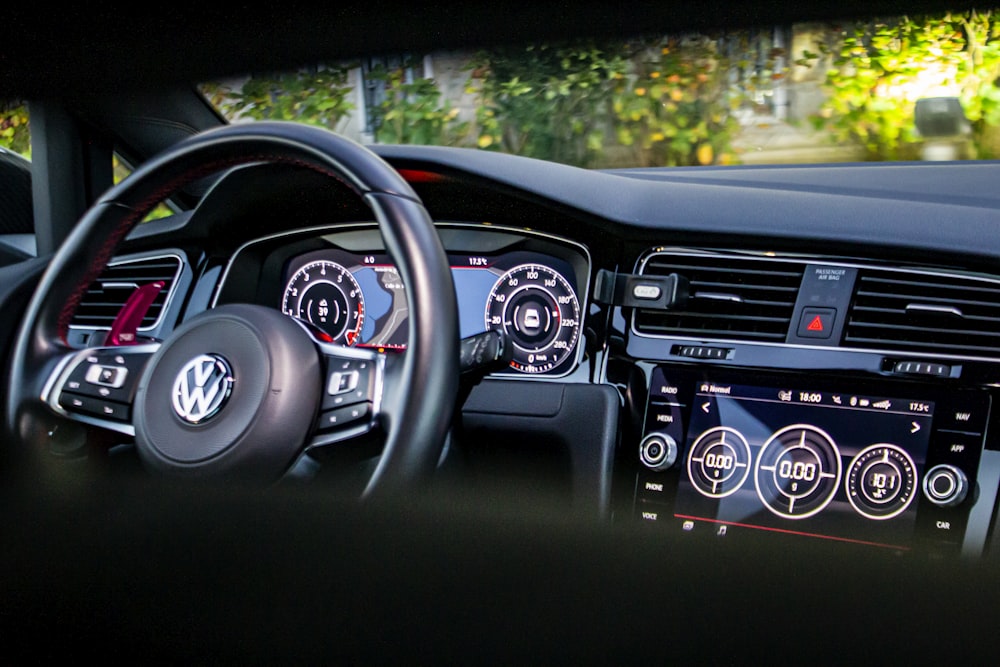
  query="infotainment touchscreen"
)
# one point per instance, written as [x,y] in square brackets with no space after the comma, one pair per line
[796,459]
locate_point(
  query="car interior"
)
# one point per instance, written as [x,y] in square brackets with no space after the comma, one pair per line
[350,403]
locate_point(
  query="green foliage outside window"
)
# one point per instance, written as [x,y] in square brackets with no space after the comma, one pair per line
[14,128]
[318,96]
[413,112]
[678,108]
[548,102]
[877,70]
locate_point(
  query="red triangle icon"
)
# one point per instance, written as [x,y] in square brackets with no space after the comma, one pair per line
[816,324]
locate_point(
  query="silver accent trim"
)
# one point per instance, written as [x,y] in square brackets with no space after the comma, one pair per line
[327,230]
[928,308]
[804,260]
[716,296]
[134,259]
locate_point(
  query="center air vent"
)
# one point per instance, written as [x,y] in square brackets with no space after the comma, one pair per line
[105,297]
[923,312]
[732,298]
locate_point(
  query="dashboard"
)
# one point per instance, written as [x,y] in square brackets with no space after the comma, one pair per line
[818,378]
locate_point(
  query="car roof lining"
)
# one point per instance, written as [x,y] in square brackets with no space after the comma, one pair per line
[89,51]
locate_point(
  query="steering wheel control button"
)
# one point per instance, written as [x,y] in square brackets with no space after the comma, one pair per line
[945,486]
[349,381]
[202,388]
[106,376]
[88,405]
[351,414]
[817,322]
[341,383]
[658,452]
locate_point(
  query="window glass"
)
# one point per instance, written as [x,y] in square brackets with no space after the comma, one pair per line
[903,88]
[15,134]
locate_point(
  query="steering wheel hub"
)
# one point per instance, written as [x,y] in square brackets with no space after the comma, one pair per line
[233,390]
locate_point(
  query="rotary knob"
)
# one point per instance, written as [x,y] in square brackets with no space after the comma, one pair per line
[658,451]
[945,485]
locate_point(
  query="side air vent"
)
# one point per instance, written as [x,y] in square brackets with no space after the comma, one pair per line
[732,298]
[943,314]
[105,297]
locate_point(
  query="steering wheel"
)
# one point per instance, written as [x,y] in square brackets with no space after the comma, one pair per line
[242,390]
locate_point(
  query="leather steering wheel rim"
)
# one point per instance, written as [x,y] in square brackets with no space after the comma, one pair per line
[420,418]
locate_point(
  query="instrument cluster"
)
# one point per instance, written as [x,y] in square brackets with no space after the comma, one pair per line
[530,289]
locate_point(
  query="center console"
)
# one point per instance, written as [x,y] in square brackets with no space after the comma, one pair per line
[881,463]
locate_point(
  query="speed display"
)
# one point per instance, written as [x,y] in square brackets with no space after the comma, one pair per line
[360,300]
[539,311]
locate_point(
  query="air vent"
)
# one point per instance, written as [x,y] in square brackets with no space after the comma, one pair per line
[941,314]
[732,298]
[105,297]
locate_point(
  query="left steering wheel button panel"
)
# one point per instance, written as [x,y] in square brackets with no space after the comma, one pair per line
[107,375]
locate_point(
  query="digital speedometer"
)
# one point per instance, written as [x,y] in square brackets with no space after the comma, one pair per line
[539,311]
[327,295]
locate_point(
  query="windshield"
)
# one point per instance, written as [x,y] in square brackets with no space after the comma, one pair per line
[904,88]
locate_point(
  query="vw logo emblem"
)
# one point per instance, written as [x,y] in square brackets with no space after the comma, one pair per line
[202,387]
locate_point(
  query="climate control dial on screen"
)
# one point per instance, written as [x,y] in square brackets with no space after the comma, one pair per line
[881,481]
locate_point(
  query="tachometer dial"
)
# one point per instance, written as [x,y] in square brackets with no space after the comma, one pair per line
[540,313]
[881,481]
[326,294]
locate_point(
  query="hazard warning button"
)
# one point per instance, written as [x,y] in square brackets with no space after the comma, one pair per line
[817,322]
